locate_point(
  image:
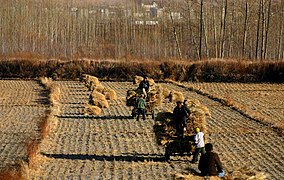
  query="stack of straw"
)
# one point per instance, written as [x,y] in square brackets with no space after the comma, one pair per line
[99,95]
[164,123]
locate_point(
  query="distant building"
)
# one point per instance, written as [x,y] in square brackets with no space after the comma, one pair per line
[150,10]
[175,15]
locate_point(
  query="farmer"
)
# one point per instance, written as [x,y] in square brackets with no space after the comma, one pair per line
[180,117]
[209,163]
[199,145]
[144,86]
[141,103]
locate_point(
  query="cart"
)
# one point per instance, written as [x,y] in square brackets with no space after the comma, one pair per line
[179,146]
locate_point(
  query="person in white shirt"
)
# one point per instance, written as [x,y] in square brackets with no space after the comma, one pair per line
[199,145]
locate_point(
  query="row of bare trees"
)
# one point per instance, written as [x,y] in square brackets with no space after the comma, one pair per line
[247,29]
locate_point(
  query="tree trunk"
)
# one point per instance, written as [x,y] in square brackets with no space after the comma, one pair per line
[200,29]
[267,29]
[245,30]
[175,36]
[258,29]
[223,32]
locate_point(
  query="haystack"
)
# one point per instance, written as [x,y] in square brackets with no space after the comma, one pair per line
[137,79]
[247,173]
[110,94]
[193,102]
[183,176]
[151,81]
[99,94]
[98,99]
[164,126]
[131,97]
[99,87]
[166,92]
[91,81]
[198,115]
[92,110]
[155,96]
[175,96]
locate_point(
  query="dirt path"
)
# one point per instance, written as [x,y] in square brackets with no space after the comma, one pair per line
[22,104]
[113,146]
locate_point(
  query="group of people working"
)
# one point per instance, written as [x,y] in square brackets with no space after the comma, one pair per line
[209,163]
[144,87]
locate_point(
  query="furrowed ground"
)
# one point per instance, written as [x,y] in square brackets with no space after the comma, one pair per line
[114,146]
[22,105]
[242,141]
[262,99]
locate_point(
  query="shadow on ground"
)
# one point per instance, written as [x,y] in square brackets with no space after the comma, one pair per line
[80,116]
[128,158]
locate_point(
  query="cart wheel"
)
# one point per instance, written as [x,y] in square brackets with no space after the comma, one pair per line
[133,113]
[167,154]
[153,115]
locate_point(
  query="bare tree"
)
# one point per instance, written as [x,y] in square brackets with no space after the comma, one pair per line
[245,29]
[201,29]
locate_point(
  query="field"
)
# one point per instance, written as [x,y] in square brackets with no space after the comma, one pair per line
[114,146]
[22,105]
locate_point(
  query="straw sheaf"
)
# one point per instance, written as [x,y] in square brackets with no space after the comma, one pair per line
[176,96]
[137,79]
[166,92]
[110,94]
[151,81]
[247,173]
[131,98]
[193,102]
[92,110]
[99,87]
[98,99]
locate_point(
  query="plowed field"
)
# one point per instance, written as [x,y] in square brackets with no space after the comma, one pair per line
[114,146]
[264,99]
[22,104]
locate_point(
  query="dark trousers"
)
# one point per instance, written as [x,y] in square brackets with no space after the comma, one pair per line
[141,111]
[196,153]
[179,125]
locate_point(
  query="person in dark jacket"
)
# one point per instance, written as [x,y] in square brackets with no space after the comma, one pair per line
[209,163]
[180,117]
[144,86]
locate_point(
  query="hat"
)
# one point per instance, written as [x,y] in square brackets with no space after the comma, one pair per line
[197,130]
[178,102]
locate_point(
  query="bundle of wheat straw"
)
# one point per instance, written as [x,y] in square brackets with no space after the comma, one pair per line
[110,94]
[247,173]
[98,99]
[166,92]
[175,96]
[92,110]
[137,79]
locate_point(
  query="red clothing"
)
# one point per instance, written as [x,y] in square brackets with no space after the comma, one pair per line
[210,164]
